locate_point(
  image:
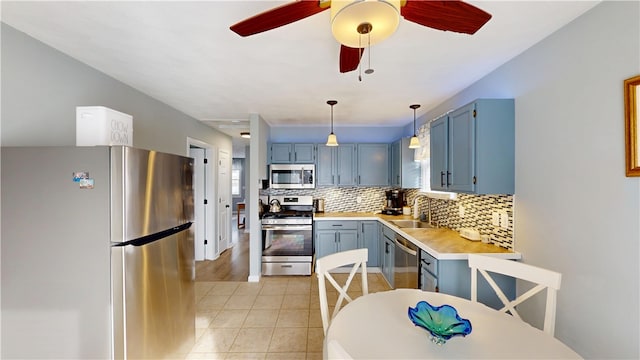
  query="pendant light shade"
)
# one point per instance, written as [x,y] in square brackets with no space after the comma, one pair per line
[414,143]
[332,140]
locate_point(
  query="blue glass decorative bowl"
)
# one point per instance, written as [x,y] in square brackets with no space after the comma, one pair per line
[442,322]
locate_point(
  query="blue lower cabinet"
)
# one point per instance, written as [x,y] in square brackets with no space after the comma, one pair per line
[453,277]
[334,236]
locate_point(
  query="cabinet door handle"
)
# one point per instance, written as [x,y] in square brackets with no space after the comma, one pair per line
[441,178]
[448,178]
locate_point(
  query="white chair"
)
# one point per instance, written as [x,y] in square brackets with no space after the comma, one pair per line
[543,278]
[357,258]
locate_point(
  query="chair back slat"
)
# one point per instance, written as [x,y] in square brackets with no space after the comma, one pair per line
[543,278]
[358,259]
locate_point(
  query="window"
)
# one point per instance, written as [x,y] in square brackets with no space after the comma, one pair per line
[423,155]
[425,168]
[236,177]
[235,182]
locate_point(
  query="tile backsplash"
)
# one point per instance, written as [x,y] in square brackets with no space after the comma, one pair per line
[477,209]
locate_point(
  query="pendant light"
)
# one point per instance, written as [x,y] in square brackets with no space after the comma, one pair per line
[414,143]
[332,140]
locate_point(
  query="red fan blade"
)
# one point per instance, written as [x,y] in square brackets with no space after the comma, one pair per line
[349,58]
[449,15]
[276,17]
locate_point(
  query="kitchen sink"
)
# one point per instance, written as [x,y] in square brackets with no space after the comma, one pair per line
[411,224]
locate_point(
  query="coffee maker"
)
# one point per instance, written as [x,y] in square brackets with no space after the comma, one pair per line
[395,200]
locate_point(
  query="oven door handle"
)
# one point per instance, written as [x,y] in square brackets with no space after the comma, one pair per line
[286,227]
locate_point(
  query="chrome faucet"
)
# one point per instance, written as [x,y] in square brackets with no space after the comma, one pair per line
[424,217]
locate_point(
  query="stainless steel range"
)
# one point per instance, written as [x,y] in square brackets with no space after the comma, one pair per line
[287,236]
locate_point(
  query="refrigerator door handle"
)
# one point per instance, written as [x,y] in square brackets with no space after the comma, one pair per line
[157,236]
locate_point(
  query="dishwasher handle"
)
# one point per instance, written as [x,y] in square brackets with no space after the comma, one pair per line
[405,248]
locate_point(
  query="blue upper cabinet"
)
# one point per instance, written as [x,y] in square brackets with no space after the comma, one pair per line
[287,153]
[326,167]
[395,155]
[405,172]
[472,149]
[438,141]
[373,165]
[346,167]
[336,165]
[281,153]
[304,153]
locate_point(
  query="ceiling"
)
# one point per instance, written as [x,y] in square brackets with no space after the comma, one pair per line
[183,54]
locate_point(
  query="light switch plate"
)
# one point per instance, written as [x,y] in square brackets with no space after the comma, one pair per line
[495,218]
[504,219]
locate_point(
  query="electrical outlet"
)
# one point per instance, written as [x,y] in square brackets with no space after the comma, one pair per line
[495,218]
[461,211]
[359,199]
[504,219]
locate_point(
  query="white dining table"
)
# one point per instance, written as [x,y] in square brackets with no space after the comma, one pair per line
[377,326]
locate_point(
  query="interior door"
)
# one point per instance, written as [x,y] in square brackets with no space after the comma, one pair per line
[204,221]
[224,200]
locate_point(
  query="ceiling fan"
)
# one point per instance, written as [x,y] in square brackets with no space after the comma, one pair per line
[375,19]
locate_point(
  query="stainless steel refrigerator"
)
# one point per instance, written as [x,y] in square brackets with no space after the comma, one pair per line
[97,253]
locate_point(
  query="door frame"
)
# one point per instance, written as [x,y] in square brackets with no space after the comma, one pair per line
[226,208]
[210,183]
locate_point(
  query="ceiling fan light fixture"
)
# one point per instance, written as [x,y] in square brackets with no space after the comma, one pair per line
[245,134]
[332,139]
[414,143]
[347,16]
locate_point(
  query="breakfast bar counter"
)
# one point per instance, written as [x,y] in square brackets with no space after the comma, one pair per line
[441,243]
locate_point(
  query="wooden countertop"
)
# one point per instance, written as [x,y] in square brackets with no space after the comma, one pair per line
[441,243]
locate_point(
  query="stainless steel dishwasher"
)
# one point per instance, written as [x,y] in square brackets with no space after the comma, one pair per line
[405,268]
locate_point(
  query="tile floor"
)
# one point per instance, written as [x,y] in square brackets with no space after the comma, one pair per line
[277,318]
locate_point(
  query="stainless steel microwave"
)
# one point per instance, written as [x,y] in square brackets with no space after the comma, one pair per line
[292,176]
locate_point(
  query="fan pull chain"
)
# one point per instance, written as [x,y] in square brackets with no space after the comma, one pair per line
[359,57]
[369,70]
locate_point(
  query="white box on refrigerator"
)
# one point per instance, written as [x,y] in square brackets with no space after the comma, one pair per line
[99,125]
